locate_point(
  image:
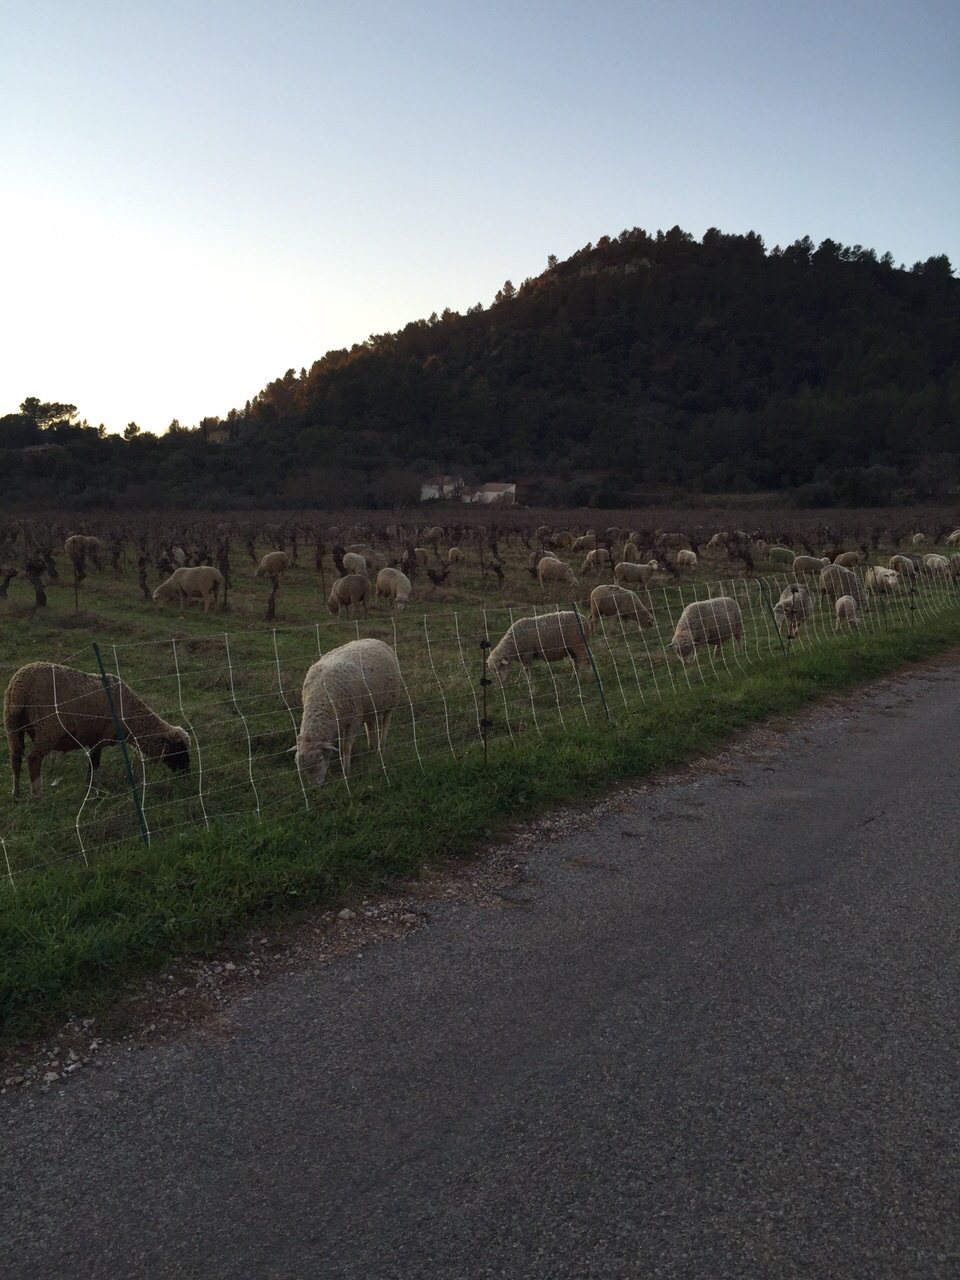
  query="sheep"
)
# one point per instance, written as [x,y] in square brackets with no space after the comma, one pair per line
[562,541]
[848,559]
[780,555]
[918,539]
[273,565]
[846,611]
[673,541]
[937,564]
[551,637]
[62,709]
[955,566]
[707,622]
[880,580]
[455,556]
[553,571]
[630,553]
[594,559]
[587,542]
[353,562]
[611,601]
[350,591]
[908,566]
[642,573]
[178,556]
[795,603]
[687,559]
[357,684]
[808,564]
[396,585]
[79,545]
[434,533]
[953,539]
[203,582]
[836,581]
[543,532]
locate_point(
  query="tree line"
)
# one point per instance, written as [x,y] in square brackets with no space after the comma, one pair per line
[643,365]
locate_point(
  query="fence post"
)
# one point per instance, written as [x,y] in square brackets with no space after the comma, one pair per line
[485,722]
[586,645]
[122,741]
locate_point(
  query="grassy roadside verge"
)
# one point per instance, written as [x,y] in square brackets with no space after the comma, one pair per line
[71,936]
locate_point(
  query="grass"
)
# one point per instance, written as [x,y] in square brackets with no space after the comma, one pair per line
[72,935]
[87,906]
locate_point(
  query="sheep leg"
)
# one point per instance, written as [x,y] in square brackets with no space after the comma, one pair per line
[34,765]
[15,743]
[93,760]
[346,745]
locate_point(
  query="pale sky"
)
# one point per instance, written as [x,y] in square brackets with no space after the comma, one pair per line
[196,196]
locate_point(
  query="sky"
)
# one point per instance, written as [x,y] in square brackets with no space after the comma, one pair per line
[196,197]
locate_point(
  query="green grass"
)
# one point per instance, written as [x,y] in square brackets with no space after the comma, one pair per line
[71,935]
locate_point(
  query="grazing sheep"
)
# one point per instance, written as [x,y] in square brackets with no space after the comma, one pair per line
[846,610]
[350,591]
[422,554]
[955,566]
[908,566]
[587,542]
[849,559]
[610,601]
[203,582]
[642,573]
[717,541]
[673,541]
[357,684]
[796,606]
[434,533]
[79,545]
[178,556]
[273,565]
[953,539]
[353,562]
[551,637]
[937,564]
[809,564]
[396,585]
[594,559]
[543,532]
[62,709]
[455,556]
[555,572]
[836,581]
[780,555]
[687,559]
[880,580]
[707,622]
[562,541]
[918,539]
[630,553]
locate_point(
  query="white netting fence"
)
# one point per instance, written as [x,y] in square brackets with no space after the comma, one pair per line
[238,695]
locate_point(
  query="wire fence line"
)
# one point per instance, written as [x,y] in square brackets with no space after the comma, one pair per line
[238,695]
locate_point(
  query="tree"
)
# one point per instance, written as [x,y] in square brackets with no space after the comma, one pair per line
[131,431]
[44,415]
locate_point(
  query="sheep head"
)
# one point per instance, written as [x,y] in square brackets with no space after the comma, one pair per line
[313,759]
[176,751]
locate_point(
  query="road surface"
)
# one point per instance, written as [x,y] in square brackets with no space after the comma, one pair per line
[716,1036]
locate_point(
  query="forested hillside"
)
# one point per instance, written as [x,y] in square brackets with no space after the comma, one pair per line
[641,365]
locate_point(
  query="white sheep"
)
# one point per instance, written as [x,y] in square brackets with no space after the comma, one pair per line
[273,565]
[555,572]
[846,611]
[586,542]
[918,539]
[455,556]
[707,622]
[836,581]
[642,573]
[353,562]
[62,709]
[907,565]
[849,559]
[202,582]
[687,559]
[394,584]
[937,564]
[794,606]
[358,684]
[880,580]
[809,564]
[953,539]
[352,591]
[178,556]
[551,637]
[594,559]
[780,555]
[630,553]
[611,601]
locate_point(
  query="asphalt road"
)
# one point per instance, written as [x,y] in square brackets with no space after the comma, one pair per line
[716,1037]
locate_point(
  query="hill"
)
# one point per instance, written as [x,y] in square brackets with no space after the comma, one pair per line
[641,363]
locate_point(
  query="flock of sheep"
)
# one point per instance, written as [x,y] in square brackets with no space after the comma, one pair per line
[358,684]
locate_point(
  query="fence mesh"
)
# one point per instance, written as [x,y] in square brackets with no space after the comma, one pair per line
[238,695]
